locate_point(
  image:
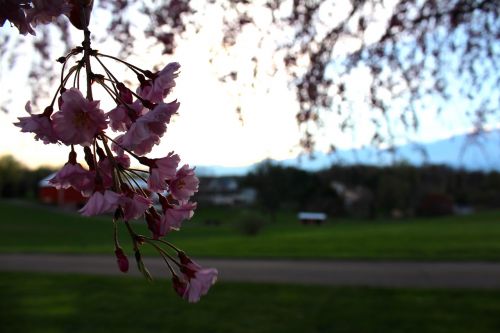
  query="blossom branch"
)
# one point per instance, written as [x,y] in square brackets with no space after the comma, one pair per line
[109,183]
[86,55]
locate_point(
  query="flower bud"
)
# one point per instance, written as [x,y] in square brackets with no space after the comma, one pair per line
[48,111]
[164,202]
[121,259]
[185,260]
[89,157]
[149,74]
[72,157]
[141,78]
[125,93]
[80,13]
[180,286]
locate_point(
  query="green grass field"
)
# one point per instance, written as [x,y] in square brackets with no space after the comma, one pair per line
[27,228]
[72,303]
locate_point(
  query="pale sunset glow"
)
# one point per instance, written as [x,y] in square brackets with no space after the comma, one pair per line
[208,130]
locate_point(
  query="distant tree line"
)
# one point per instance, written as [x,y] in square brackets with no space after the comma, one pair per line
[371,191]
[356,190]
[17,180]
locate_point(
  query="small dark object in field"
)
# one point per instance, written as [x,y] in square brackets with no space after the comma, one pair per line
[435,204]
[250,224]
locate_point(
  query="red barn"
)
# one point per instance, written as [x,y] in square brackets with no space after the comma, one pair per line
[62,197]
[68,197]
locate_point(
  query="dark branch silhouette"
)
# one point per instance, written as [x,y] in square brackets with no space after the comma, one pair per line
[415,55]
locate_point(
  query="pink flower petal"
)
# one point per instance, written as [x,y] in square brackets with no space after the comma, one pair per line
[185,184]
[79,119]
[164,170]
[100,203]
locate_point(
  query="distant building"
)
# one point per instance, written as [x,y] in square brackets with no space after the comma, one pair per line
[224,191]
[358,200]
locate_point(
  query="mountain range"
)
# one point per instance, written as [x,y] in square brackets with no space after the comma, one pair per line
[478,152]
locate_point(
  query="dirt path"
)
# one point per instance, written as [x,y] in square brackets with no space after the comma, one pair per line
[336,273]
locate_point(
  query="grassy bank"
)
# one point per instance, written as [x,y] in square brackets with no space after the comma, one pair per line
[26,228]
[70,303]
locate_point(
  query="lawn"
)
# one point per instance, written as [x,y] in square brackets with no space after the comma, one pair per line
[28,228]
[71,303]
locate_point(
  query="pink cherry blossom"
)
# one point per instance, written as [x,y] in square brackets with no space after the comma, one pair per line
[134,206]
[200,284]
[12,10]
[174,215]
[40,124]
[144,133]
[140,139]
[74,175]
[161,170]
[46,11]
[121,259]
[161,113]
[100,203]
[185,184]
[79,119]
[123,116]
[199,279]
[157,89]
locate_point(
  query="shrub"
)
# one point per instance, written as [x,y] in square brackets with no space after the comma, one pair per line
[435,204]
[250,224]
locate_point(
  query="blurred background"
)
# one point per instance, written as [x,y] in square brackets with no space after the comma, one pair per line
[352,131]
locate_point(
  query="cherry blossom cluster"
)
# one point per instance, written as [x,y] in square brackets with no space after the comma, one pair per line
[140,120]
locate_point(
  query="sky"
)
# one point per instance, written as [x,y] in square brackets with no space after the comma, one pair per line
[207,130]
